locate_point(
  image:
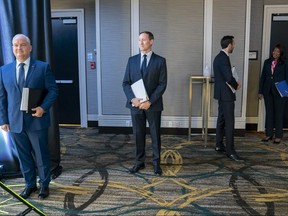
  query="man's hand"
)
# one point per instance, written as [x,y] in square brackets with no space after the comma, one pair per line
[260,96]
[145,105]
[5,127]
[136,102]
[239,85]
[39,112]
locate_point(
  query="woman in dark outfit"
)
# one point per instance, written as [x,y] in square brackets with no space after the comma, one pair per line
[274,70]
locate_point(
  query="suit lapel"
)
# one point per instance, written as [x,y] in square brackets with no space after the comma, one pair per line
[30,71]
[14,73]
[151,61]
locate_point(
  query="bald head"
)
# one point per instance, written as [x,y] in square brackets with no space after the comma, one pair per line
[21,47]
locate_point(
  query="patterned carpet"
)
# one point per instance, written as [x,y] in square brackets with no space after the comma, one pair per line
[196,180]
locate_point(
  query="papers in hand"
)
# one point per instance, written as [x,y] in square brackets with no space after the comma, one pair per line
[32,98]
[234,74]
[236,77]
[282,88]
[139,90]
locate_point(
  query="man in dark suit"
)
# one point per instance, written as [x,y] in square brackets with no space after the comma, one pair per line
[224,81]
[29,132]
[153,70]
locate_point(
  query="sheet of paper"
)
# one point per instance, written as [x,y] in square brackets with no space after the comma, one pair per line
[139,90]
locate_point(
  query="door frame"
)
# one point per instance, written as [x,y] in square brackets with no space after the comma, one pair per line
[268,11]
[79,13]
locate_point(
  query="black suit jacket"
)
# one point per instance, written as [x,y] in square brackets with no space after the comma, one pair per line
[155,80]
[222,74]
[268,80]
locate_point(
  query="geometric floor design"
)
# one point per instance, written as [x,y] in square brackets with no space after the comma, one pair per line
[196,180]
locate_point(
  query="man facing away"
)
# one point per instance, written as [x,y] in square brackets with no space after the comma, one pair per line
[153,70]
[29,132]
[224,83]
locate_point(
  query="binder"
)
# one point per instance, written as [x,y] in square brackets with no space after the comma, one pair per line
[282,88]
[32,98]
[236,77]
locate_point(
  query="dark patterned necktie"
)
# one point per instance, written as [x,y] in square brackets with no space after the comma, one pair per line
[144,65]
[21,78]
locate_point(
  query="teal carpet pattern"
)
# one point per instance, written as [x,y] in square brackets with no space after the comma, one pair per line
[196,180]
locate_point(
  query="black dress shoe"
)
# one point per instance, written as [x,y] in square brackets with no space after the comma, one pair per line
[220,149]
[267,138]
[235,157]
[136,168]
[44,192]
[157,170]
[27,192]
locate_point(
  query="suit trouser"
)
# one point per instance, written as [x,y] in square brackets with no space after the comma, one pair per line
[139,131]
[30,144]
[274,105]
[225,125]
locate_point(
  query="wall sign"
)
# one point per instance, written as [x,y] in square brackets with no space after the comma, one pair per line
[253,55]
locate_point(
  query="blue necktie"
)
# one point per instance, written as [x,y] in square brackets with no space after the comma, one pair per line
[21,78]
[144,65]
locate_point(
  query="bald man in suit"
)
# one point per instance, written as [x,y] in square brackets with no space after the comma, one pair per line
[29,132]
[154,75]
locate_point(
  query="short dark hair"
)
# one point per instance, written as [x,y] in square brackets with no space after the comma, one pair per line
[150,35]
[226,40]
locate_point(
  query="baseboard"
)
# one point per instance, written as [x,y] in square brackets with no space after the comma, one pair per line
[167,131]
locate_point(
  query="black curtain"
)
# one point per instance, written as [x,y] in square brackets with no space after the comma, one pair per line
[32,18]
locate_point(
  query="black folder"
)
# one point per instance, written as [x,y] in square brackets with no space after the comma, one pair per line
[32,98]
[282,88]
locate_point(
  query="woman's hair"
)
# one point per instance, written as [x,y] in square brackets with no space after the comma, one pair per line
[281,48]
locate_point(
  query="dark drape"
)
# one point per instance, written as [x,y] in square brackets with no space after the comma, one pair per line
[32,18]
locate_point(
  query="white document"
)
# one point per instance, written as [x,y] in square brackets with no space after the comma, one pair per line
[236,77]
[234,74]
[24,100]
[139,90]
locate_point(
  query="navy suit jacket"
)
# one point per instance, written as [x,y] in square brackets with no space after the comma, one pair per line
[268,80]
[222,74]
[39,76]
[155,80]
